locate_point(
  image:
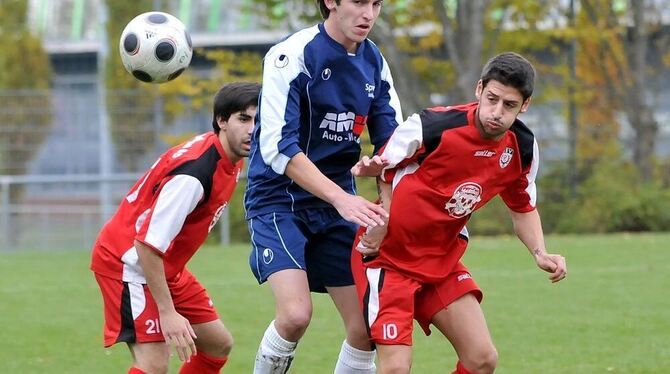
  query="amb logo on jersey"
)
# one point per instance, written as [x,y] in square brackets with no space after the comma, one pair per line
[340,127]
[464,200]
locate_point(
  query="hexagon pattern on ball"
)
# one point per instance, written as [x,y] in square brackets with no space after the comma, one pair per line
[155,47]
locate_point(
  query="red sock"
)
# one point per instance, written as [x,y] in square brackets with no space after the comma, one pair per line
[134,370]
[202,363]
[460,369]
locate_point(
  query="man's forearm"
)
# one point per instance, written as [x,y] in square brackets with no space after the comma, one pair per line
[528,228]
[385,191]
[154,272]
[311,179]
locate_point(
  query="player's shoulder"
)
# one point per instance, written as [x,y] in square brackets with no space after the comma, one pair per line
[372,53]
[294,44]
[201,146]
[446,117]
[523,133]
[525,140]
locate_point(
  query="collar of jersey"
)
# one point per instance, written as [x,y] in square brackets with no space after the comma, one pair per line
[337,44]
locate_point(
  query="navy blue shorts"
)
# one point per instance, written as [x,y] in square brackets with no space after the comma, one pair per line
[318,241]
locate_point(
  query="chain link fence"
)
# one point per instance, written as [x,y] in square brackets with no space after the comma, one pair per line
[54,191]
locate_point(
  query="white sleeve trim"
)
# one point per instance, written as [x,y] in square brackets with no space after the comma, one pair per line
[404,142]
[531,190]
[176,201]
[281,66]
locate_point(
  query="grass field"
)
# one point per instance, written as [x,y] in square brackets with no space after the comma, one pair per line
[611,315]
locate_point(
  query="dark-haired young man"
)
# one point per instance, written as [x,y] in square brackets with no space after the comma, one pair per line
[443,164]
[322,87]
[151,301]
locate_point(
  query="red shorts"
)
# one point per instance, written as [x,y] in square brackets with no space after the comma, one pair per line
[131,314]
[391,301]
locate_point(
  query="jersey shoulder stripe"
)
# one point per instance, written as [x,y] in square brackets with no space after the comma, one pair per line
[201,168]
[525,138]
[294,45]
[434,121]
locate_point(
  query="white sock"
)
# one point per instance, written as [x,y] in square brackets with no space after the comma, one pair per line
[355,361]
[275,353]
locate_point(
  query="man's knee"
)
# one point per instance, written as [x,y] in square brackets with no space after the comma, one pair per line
[395,365]
[213,339]
[151,357]
[480,361]
[294,320]
[222,346]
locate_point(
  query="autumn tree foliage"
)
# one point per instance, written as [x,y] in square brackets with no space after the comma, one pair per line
[25,115]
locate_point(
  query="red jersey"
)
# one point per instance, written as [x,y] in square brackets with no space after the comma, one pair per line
[443,170]
[171,209]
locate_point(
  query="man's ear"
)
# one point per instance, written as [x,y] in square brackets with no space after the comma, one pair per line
[330,4]
[524,106]
[479,89]
[221,122]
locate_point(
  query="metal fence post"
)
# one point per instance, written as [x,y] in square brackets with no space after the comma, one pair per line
[6,215]
[224,225]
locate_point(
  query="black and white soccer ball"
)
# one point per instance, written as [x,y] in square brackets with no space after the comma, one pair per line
[155,47]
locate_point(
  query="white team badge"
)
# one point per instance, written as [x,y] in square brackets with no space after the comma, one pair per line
[506,157]
[268,255]
[463,201]
[217,215]
[326,73]
[281,61]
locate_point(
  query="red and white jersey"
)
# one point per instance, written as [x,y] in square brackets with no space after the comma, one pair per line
[171,209]
[442,170]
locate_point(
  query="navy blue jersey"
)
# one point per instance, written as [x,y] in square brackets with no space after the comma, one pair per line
[316,98]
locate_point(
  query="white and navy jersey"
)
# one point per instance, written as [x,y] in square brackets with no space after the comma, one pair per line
[171,209]
[316,98]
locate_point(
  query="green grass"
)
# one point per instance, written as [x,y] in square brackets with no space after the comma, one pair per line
[612,314]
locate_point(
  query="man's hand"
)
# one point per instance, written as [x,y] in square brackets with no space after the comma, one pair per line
[179,334]
[552,263]
[357,210]
[371,240]
[369,167]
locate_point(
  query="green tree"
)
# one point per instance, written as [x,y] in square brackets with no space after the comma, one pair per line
[136,108]
[25,117]
[631,34]
[130,103]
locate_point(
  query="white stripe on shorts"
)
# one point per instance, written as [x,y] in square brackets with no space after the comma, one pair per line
[137,299]
[373,301]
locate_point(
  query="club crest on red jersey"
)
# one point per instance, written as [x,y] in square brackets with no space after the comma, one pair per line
[506,157]
[464,200]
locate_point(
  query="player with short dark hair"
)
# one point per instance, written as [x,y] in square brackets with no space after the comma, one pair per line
[322,87]
[139,259]
[444,163]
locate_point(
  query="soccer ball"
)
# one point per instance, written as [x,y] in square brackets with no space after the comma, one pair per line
[155,47]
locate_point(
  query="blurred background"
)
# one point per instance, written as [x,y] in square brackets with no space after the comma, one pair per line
[76,129]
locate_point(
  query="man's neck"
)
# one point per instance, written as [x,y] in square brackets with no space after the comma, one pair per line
[338,36]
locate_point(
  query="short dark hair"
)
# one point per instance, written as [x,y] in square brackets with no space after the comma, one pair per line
[233,98]
[325,12]
[510,69]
